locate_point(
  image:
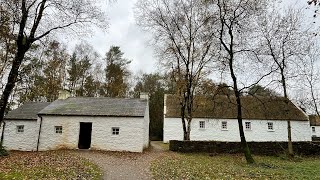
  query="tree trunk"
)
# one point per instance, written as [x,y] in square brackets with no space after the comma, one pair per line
[12,78]
[244,144]
[290,147]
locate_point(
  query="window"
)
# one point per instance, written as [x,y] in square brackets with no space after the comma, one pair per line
[224,125]
[248,125]
[270,126]
[115,131]
[58,129]
[313,129]
[202,124]
[20,128]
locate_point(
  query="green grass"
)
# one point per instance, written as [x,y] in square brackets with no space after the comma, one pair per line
[202,166]
[47,165]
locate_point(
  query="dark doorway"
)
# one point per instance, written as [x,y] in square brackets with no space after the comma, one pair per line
[85,135]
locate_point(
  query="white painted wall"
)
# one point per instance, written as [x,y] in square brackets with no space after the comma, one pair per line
[25,141]
[317,132]
[146,127]
[131,137]
[172,130]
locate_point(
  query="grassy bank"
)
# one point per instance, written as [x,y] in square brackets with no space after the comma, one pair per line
[203,166]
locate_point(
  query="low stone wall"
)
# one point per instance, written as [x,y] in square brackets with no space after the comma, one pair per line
[258,148]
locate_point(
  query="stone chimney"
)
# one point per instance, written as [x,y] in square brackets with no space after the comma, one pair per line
[144,95]
[64,94]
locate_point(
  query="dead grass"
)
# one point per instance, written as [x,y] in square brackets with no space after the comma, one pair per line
[47,165]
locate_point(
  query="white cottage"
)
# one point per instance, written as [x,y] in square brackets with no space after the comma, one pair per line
[264,119]
[315,126]
[113,124]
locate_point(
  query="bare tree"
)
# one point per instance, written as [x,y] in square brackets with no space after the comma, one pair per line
[182,30]
[283,42]
[36,19]
[309,79]
[236,24]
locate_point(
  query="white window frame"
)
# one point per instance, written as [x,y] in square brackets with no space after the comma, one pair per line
[202,124]
[270,124]
[20,128]
[115,131]
[248,128]
[313,129]
[224,125]
[58,129]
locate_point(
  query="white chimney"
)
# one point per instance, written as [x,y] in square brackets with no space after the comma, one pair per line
[144,95]
[64,94]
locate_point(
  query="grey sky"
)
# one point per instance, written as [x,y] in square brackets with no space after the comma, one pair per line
[124,32]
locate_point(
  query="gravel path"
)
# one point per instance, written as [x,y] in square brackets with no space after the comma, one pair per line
[124,165]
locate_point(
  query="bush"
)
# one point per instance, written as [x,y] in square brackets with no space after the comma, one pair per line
[3,152]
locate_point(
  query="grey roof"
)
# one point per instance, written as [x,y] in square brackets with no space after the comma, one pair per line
[90,106]
[27,111]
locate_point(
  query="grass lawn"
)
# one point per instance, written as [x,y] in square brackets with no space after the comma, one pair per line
[202,166]
[47,165]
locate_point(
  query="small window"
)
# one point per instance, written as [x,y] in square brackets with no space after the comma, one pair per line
[115,131]
[224,125]
[313,129]
[20,128]
[270,126]
[248,125]
[202,124]
[58,129]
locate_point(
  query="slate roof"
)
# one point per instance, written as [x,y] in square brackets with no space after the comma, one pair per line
[27,111]
[90,106]
[314,120]
[223,107]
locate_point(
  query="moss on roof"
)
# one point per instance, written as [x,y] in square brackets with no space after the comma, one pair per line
[224,107]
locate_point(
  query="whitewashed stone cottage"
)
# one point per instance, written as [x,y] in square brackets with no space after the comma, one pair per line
[264,119]
[113,124]
[315,126]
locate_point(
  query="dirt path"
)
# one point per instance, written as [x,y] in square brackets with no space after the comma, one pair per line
[123,166]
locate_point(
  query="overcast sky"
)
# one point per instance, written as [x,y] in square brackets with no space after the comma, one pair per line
[124,32]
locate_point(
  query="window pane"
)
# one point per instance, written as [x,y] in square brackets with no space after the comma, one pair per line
[248,125]
[270,126]
[224,125]
[20,128]
[202,124]
[58,129]
[115,131]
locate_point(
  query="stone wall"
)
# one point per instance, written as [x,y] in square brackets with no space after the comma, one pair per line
[258,148]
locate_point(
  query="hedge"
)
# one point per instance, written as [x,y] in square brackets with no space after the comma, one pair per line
[258,148]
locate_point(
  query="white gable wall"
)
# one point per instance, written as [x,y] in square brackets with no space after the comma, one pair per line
[131,137]
[317,132]
[23,141]
[172,130]
[146,127]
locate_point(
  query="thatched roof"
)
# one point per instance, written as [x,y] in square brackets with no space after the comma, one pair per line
[224,107]
[314,120]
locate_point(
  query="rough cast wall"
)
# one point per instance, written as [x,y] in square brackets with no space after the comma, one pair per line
[131,137]
[146,127]
[172,130]
[24,141]
[317,132]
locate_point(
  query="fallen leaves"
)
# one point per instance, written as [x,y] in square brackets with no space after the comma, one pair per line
[60,164]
